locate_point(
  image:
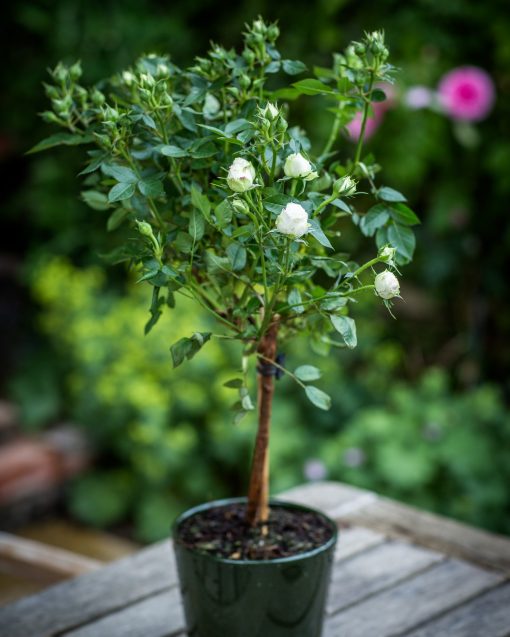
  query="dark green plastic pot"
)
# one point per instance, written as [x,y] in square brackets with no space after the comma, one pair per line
[246,598]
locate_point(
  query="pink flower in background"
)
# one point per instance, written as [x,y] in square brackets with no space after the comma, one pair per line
[314,469]
[354,126]
[418,97]
[467,93]
[374,120]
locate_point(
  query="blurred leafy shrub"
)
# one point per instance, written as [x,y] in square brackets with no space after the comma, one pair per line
[165,438]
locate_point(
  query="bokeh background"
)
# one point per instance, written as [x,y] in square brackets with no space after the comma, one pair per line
[419,409]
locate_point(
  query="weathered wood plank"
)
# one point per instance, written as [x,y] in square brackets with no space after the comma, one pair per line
[36,560]
[356,540]
[442,534]
[158,616]
[404,606]
[79,600]
[374,570]
[148,572]
[329,497]
[485,616]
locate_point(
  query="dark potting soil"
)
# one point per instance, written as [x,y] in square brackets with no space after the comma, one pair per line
[223,532]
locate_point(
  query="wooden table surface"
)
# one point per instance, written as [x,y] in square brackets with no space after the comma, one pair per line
[398,572]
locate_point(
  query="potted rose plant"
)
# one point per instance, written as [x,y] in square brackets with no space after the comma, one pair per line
[225,203]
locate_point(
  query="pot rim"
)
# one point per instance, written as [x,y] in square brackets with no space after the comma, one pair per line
[272,502]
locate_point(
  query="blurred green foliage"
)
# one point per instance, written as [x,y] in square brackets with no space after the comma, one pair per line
[421,403]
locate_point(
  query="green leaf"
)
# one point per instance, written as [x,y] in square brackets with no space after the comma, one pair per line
[389,194]
[168,150]
[234,383]
[201,202]
[307,373]
[96,200]
[404,215]
[272,67]
[183,242]
[186,348]
[346,327]
[312,87]
[154,310]
[402,238]
[223,213]
[333,303]
[151,187]
[196,225]
[375,218]
[60,139]
[293,67]
[317,233]
[319,398]
[122,174]
[121,191]
[294,299]
[378,95]
[116,218]
[236,255]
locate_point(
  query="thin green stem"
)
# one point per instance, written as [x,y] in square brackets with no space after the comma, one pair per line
[369,264]
[332,137]
[366,108]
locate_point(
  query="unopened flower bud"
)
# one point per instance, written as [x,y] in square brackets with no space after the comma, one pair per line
[241,175]
[270,111]
[166,100]
[60,72]
[128,78]
[344,186]
[97,97]
[145,229]
[50,117]
[147,81]
[387,285]
[211,106]
[273,32]
[387,254]
[162,70]
[249,56]
[75,71]
[240,206]
[244,81]
[293,220]
[297,166]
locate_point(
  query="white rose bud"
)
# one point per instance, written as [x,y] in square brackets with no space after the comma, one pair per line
[128,77]
[293,220]
[297,166]
[241,175]
[211,106]
[344,186]
[387,285]
[387,254]
[271,111]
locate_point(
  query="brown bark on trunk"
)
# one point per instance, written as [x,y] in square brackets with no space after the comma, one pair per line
[258,493]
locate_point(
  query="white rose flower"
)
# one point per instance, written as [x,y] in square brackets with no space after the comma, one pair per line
[387,285]
[297,166]
[293,220]
[241,175]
